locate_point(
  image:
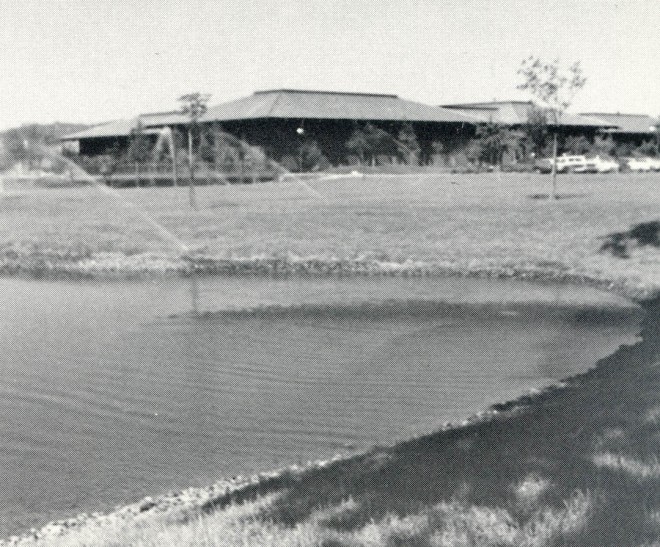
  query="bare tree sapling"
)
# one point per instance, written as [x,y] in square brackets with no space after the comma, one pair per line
[194,105]
[555,86]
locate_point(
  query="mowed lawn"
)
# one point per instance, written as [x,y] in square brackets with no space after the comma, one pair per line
[486,221]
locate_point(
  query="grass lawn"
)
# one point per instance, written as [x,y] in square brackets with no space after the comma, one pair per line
[485,222]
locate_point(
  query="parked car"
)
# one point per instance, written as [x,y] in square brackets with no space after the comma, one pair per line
[543,165]
[572,164]
[654,163]
[638,165]
[601,164]
[578,164]
[565,164]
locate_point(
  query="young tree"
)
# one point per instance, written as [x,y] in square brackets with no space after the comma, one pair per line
[139,149]
[24,144]
[603,145]
[474,151]
[379,141]
[512,143]
[226,149]
[624,149]
[15,144]
[206,146]
[556,87]
[311,157]
[535,131]
[358,144]
[578,144]
[408,145]
[369,141]
[489,136]
[647,148]
[194,105]
[110,161]
[496,140]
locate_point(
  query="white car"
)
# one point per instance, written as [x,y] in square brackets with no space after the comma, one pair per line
[599,164]
[565,164]
[639,165]
[571,164]
[654,163]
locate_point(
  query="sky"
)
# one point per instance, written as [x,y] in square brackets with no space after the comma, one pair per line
[89,61]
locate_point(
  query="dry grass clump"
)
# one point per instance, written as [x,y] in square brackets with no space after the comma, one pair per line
[633,466]
[446,524]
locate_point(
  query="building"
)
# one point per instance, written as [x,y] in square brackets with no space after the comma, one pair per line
[280,121]
[633,129]
[100,139]
[516,114]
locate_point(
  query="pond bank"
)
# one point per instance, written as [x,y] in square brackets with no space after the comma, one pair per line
[122,266]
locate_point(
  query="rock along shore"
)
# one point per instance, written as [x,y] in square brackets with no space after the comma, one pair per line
[127,266]
[185,502]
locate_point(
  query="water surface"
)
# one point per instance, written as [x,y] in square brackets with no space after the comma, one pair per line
[113,390]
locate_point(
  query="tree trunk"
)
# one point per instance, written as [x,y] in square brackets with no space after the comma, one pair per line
[194,294]
[554,165]
[175,181]
[191,166]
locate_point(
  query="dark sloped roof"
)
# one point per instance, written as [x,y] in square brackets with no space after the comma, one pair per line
[517,112]
[159,119]
[117,128]
[287,103]
[120,128]
[628,123]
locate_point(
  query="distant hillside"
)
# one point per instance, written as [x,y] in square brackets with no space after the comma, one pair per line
[12,141]
[49,133]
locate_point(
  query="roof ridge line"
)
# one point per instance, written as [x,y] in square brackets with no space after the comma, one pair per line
[616,114]
[321,92]
[272,106]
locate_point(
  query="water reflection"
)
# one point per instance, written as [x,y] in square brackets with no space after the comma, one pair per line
[194,293]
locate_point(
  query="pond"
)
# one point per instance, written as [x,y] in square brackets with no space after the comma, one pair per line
[112,390]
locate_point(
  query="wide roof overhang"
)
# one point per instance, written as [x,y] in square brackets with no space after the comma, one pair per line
[324,105]
[516,113]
